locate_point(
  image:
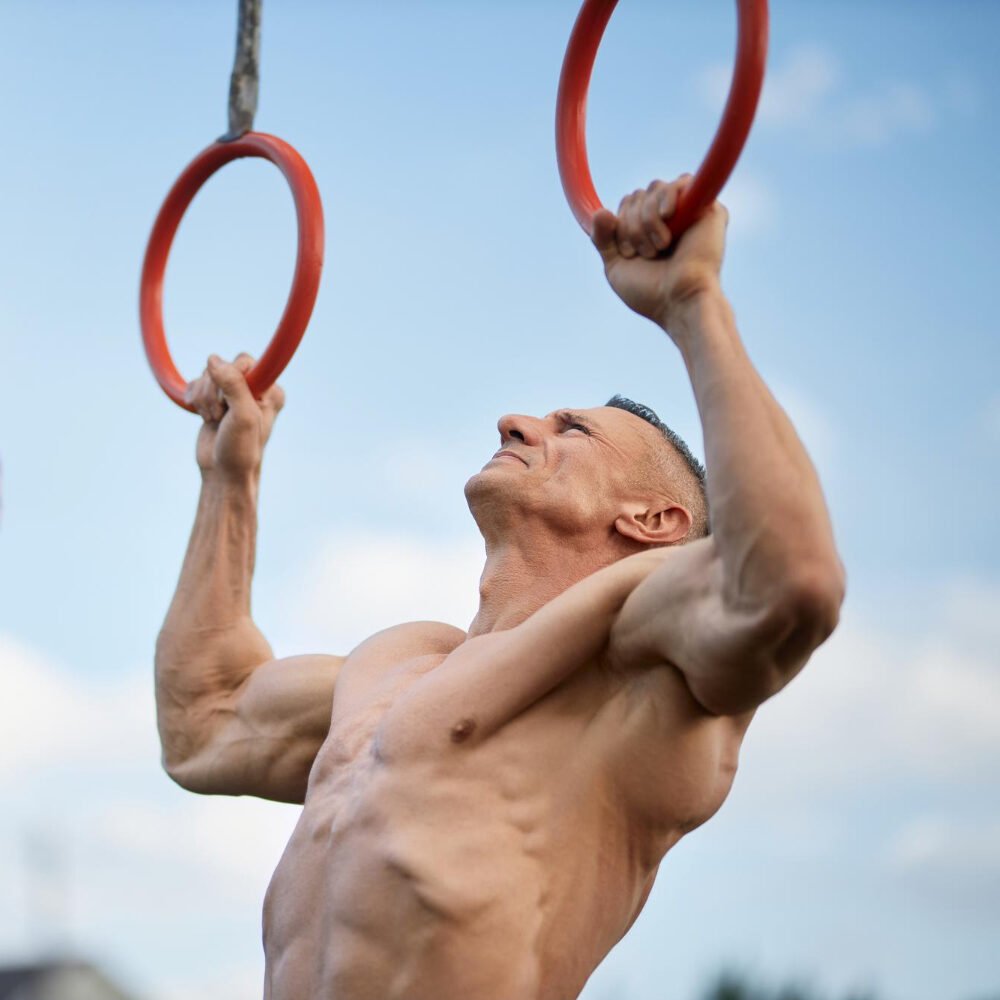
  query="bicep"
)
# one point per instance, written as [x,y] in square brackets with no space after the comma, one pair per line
[264,736]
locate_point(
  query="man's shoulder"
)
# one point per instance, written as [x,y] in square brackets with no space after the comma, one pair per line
[418,638]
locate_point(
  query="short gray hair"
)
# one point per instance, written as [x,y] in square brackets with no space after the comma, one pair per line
[678,444]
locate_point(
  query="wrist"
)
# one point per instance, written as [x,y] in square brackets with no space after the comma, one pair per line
[242,482]
[689,315]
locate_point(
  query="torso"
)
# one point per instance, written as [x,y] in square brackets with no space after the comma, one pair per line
[432,861]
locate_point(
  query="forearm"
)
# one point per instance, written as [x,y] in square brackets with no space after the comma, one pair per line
[769,519]
[208,645]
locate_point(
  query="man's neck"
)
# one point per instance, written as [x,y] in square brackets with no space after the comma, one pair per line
[522,575]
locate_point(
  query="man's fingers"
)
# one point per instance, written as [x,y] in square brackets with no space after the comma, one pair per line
[642,225]
[635,235]
[605,226]
[664,197]
[637,229]
[224,385]
[655,228]
[273,400]
[244,362]
[203,395]
[628,224]
[233,385]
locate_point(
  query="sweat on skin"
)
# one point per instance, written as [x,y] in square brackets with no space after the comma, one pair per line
[485,810]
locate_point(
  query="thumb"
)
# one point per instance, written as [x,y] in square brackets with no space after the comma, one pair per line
[232,382]
[604,234]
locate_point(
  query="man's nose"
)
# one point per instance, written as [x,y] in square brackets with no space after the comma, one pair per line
[519,427]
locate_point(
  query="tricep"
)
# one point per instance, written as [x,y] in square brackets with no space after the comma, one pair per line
[262,738]
[733,653]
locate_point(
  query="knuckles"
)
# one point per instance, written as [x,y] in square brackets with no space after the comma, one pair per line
[644,216]
[207,394]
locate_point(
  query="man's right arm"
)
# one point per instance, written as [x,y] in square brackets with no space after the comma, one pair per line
[740,612]
[232,719]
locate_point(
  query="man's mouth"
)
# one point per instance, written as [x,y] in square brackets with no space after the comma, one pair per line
[506,453]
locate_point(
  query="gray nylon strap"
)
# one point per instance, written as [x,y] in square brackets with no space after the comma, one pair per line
[244,83]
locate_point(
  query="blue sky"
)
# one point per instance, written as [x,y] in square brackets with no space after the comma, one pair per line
[862,841]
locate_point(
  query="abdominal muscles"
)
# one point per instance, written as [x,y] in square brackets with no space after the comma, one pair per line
[459,875]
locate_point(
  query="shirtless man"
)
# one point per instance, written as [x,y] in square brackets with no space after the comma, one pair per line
[485,811]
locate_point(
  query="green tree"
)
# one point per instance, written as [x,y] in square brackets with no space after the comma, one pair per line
[733,984]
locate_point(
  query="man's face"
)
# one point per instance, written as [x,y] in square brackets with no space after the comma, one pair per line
[572,468]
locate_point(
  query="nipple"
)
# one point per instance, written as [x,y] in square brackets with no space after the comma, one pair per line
[461,731]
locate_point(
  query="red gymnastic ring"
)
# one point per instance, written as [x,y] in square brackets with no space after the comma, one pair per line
[741,105]
[308,262]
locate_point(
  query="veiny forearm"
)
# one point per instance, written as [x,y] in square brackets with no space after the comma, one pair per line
[769,519]
[208,644]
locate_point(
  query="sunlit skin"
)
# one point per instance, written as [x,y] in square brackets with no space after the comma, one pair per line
[485,810]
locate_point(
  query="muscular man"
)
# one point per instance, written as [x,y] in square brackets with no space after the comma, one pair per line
[485,811]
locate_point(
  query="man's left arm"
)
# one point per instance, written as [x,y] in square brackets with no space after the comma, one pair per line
[737,613]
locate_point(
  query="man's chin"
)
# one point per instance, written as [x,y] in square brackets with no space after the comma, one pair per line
[488,481]
[477,479]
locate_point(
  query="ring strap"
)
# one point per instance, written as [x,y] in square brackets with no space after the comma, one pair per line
[244,84]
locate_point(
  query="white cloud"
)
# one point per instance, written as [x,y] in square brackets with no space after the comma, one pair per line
[361,582]
[807,92]
[875,709]
[896,108]
[793,92]
[970,607]
[943,842]
[953,862]
[115,843]
[948,722]
[230,844]
[412,470]
[752,205]
[814,426]
[49,715]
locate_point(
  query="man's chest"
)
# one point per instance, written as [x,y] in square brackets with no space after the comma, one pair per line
[366,692]
[390,715]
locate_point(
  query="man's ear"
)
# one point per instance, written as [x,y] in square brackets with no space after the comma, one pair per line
[663,523]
